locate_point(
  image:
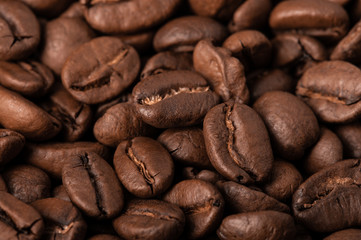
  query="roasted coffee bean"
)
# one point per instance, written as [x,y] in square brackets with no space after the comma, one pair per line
[62,219]
[327,151]
[144,167]
[350,234]
[325,20]
[173,99]
[104,237]
[99,70]
[29,78]
[75,10]
[23,116]
[201,203]
[167,61]
[262,81]
[3,186]
[332,90]
[219,9]
[93,186]
[61,37]
[297,52]
[127,16]
[120,122]
[182,34]
[240,199]
[20,30]
[283,181]
[349,135]
[47,8]
[329,200]
[52,157]
[18,220]
[291,124]
[11,143]
[269,225]
[251,14]
[74,116]
[59,192]
[186,146]
[27,183]
[142,41]
[223,72]
[205,175]
[237,143]
[151,220]
[251,47]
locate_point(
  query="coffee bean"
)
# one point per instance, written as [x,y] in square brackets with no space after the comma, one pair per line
[228,81]
[18,220]
[99,70]
[150,219]
[20,30]
[329,200]
[292,125]
[237,143]
[201,203]
[349,135]
[142,41]
[11,143]
[47,8]
[240,199]
[186,146]
[327,151]
[350,234]
[27,183]
[218,9]
[257,226]
[23,116]
[93,186]
[332,90]
[182,34]
[59,192]
[62,219]
[317,18]
[127,16]
[52,157]
[205,175]
[29,78]
[173,99]
[144,167]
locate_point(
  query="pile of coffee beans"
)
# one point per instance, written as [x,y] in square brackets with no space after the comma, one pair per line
[180,119]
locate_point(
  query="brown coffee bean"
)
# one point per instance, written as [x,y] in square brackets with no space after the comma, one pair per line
[20,30]
[127,16]
[59,192]
[317,18]
[201,203]
[167,61]
[11,144]
[144,167]
[350,234]
[219,9]
[142,41]
[29,78]
[52,157]
[47,8]
[173,99]
[186,146]
[349,135]
[262,81]
[251,14]
[329,200]
[332,90]
[283,181]
[204,175]
[151,220]
[61,37]
[120,122]
[75,10]
[23,116]
[27,183]
[237,143]
[251,47]
[93,186]
[99,70]
[240,199]
[62,219]
[182,34]
[327,151]
[18,220]
[269,225]
[291,123]
[224,73]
